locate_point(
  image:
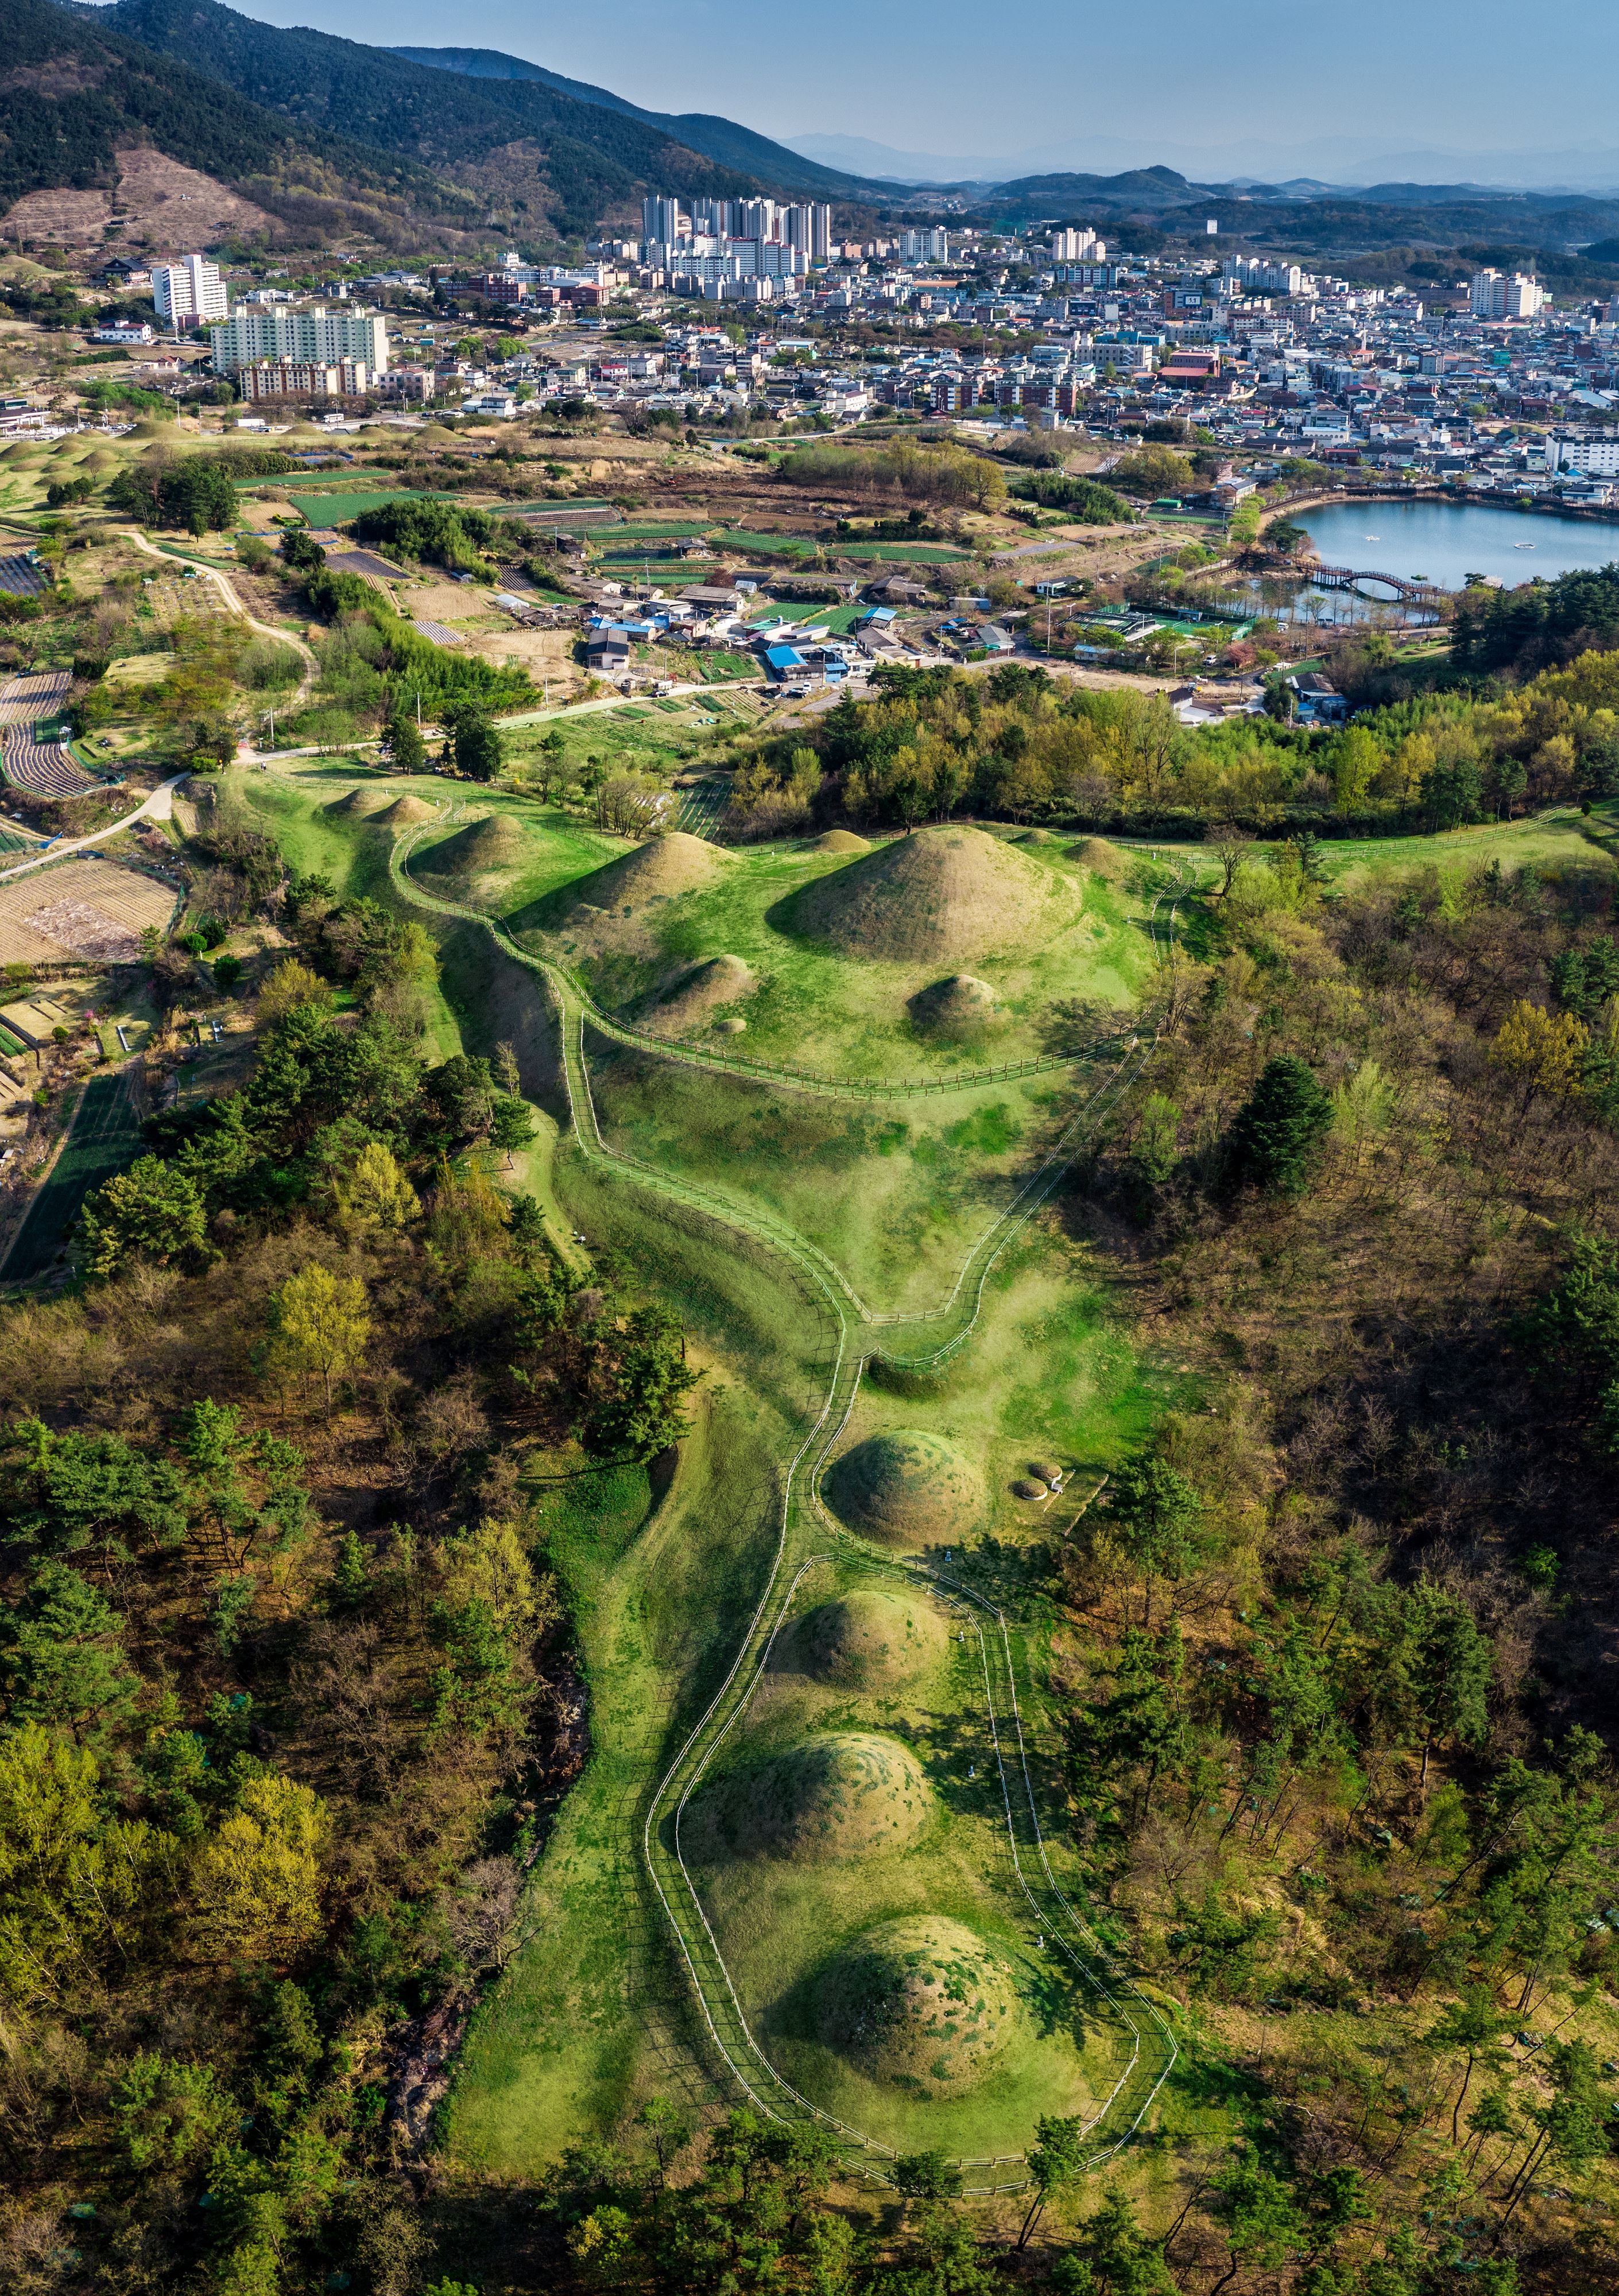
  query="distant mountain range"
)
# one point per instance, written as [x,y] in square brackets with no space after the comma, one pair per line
[441,149]
[1333,162]
[466,141]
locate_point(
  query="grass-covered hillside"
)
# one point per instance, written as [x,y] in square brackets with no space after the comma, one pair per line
[773,1514]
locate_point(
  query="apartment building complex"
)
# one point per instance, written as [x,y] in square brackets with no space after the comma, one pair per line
[304,378]
[1498,295]
[727,225]
[310,335]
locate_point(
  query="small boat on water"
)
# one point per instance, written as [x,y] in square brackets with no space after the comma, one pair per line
[1371,537]
[1522,545]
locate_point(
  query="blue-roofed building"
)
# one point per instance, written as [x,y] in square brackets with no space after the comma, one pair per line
[784,661]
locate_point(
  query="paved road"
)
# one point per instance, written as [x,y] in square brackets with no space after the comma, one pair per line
[158,807]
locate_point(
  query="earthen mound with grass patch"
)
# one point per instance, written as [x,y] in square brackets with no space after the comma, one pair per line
[940,895]
[404,810]
[698,995]
[907,1489]
[923,2002]
[848,1794]
[1108,862]
[358,802]
[868,1640]
[841,841]
[959,1005]
[479,850]
[659,871]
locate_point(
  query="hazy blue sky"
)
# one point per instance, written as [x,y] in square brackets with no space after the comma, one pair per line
[944,75]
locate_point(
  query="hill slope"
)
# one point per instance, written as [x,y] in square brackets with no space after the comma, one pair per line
[576,162]
[77,90]
[721,140]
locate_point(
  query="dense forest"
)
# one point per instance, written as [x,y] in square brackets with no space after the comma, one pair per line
[1019,745]
[78,91]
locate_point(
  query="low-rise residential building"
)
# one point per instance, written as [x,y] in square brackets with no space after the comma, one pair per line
[304,378]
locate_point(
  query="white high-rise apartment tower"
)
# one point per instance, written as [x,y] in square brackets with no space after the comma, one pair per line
[188,290]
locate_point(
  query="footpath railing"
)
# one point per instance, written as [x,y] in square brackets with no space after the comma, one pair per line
[708,1056]
[804,1529]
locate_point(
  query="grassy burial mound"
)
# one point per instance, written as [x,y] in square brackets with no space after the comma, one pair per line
[659,871]
[907,1489]
[699,996]
[366,799]
[1108,862]
[404,811]
[955,1009]
[841,841]
[925,2003]
[868,1640]
[483,848]
[844,1795]
[942,895]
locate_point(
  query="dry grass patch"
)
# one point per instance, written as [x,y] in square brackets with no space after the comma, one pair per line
[81,908]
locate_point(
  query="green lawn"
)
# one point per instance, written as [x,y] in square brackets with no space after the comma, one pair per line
[786,1923]
[819,1010]
[334,506]
[295,809]
[895,1193]
[592,2018]
[1559,837]
[106,1136]
[594,2015]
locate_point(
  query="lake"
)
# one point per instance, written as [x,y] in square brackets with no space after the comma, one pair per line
[1444,542]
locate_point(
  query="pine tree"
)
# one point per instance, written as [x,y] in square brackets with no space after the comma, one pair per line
[1278,1135]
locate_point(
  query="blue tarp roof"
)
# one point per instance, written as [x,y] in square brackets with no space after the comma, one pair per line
[784,658]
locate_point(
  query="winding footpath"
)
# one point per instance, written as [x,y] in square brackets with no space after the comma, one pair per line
[810,1537]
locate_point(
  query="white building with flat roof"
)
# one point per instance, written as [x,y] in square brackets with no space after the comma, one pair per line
[186,291]
[1501,295]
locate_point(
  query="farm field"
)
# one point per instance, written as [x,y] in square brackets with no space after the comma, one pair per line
[83,907]
[106,1136]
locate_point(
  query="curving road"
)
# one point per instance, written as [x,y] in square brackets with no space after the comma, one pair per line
[233,604]
[158,807]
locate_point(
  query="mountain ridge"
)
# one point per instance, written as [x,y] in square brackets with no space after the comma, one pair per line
[79,90]
[718,138]
[529,148]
